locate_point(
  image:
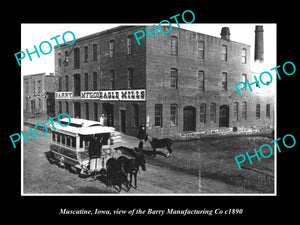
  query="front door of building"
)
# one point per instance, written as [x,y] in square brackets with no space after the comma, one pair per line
[123,121]
[109,112]
[224,116]
[189,118]
[33,106]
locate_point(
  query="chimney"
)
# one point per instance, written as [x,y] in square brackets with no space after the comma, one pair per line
[225,33]
[259,44]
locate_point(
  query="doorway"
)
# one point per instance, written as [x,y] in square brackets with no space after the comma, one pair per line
[109,111]
[77,110]
[33,106]
[224,116]
[123,121]
[189,118]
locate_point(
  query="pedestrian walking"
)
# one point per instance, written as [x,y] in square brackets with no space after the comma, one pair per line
[102,120]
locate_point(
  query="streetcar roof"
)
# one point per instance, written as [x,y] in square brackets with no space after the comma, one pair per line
[82,126]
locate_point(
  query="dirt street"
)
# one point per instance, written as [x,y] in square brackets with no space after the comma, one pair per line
[163,175]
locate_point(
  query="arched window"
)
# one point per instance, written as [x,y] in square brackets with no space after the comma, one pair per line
[173,114]
[244,56]
[174,45]
[158,115]
[235,111]
[213,112]
[201,80]
[257,111]
[268,113]
[203,113]
[76,58]
[174,78]
[244,110]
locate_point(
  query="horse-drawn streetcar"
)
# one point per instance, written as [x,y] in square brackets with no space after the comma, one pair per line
[86,147]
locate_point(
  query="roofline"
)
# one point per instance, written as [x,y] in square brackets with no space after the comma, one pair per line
[99,34]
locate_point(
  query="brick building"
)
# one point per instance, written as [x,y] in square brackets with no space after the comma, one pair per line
[178,82]
[38,93]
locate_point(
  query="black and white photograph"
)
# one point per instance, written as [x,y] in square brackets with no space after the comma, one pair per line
[148,109]
[150,112]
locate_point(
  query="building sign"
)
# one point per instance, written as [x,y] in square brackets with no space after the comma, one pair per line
[63,95]
[109,95]
[115,95]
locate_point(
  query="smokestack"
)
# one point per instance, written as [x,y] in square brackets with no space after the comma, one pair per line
[259,44]
[225,33]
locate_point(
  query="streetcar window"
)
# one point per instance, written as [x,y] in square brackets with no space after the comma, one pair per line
[68,141]
[73,142]
[53,136]
[58,138]
[63,139]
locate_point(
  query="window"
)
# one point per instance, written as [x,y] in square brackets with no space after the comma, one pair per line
[111,49]
[67,82]
[67,107]
[95,52]
[257,115]
[86,54]
[244,80]
[173,114]
[224,81]
[76,58]
[174,78]
[200,49]
[87,112]
[96,112]
[111,81]
[268,112]
[129,45]
[174,45]
[244,110]
[224,53]
[130,78]
[158,115]
[86,82]
[203,113]
[59,62]
[201,80]
[59,84]
[244,56]
[135,115]
[95,81]
[213,112]
[235,111]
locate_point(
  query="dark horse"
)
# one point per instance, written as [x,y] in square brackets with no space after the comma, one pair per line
[115,173]
[131,166]
[160,143]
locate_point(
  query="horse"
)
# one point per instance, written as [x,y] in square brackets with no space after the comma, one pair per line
[132,166]
[115,173]
[160,143]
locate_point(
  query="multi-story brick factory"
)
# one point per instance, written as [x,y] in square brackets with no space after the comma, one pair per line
[178,82]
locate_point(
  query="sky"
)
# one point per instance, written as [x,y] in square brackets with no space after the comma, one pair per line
[34,34]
